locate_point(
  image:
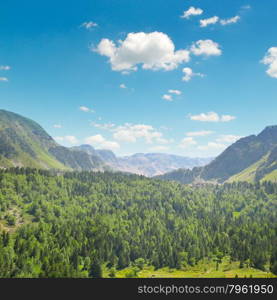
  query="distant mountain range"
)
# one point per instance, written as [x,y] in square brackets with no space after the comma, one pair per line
[25,143]
[253,158]
[147,164]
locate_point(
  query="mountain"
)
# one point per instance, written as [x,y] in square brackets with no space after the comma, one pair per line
[25,143]
[152,164]
[263,169]
[252,158]
[147,164]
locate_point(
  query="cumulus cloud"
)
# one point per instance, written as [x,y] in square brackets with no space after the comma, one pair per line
[270,59]
[5,68]
[216,19]
[89,25]
[199,133]
[85,109]
[186,142]
[104,126]
[5,79]
[229,21]
[211,117]
[167,97]
[132,132]
[171,93]
[206,47]
[209,21]
[100,142]
[189,74]
[154,51]
[175,92]
[206,117]
[192,11]
[68,138]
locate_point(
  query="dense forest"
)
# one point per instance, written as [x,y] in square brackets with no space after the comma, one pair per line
[70,224]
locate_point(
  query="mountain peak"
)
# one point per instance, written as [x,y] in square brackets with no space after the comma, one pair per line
[272,128]
[269,134]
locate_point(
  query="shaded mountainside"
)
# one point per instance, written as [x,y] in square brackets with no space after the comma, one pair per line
[252,158]
[24,143]
[263,169]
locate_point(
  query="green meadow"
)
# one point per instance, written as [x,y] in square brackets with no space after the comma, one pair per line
[204,269]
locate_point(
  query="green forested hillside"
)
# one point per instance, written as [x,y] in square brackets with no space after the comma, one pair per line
[70,225]
[24,143]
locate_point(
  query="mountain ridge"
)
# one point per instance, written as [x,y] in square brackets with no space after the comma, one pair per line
[249,158]
[147,164]
[24,143]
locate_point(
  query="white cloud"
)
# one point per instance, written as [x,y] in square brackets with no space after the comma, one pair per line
[228,138]
[270,59]
[216,19]
[57,126]
[189,74]
[206,117]
[104,126]
[155,51]
[186,142]
[95,139]
[209,21]
[123,86]
[211,117]
[5,68]
[206,47]
[5,79]
[176,92]
[100,142]
[199,133]
[85,109]
[230,20]
[68,138]
[159,148]
[89,25]
[227,118]
[192,11]
[167,97]
[132,132]
[212,146]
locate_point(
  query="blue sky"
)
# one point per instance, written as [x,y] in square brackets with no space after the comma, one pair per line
[186,77]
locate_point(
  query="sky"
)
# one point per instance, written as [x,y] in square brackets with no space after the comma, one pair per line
[186,77]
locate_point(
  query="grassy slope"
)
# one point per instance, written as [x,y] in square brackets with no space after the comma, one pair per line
[33,135]
[271,176]
[249,173]
[204,269]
